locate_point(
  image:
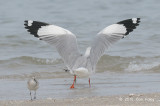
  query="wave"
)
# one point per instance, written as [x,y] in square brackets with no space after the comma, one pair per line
[106,63]
[129,64]
[33,60]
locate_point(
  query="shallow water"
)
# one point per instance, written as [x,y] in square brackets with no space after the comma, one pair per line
[101,85]
[129,66]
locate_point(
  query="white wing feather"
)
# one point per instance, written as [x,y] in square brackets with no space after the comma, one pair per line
[64,41]
[103,40]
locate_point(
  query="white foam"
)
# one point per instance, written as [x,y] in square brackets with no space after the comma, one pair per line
[133,66]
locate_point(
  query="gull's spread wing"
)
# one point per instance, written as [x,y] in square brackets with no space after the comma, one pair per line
[110,35]
[64,41]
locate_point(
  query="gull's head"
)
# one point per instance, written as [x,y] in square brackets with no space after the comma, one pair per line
[87,53]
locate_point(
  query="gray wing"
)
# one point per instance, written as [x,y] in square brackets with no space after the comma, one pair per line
[109,36]
[64,41]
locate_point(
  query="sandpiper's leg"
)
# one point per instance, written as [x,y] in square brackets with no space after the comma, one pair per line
[89,82]
[31,95]
[35,95]
[72,86]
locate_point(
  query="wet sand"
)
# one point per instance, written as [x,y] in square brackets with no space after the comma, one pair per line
[119,100]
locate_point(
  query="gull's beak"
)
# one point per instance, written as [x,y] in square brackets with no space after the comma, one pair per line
[66,70]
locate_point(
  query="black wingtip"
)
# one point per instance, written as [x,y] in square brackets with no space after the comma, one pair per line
[25,23]
[33,26]
[25,20]
[130,24]
[138,18]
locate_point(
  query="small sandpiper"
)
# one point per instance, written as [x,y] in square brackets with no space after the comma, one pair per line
[33,85]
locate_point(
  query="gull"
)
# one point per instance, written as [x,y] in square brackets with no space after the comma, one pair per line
[33,85]
[65,42]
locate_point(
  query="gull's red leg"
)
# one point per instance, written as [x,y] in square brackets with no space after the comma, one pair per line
[75,78]
[89,82]
[72,86]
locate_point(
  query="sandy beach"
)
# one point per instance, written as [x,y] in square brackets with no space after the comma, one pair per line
[128,74]
[119,100]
